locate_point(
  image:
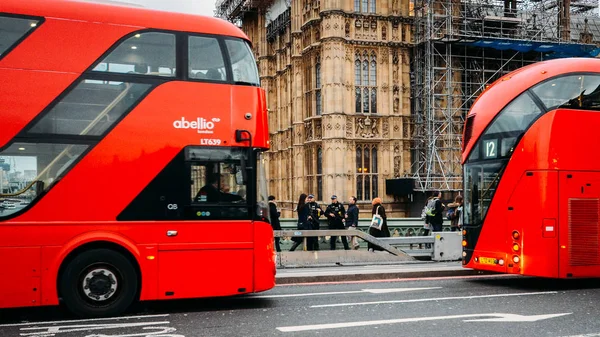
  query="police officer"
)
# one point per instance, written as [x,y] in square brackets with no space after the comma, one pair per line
[335,214]
[314,213]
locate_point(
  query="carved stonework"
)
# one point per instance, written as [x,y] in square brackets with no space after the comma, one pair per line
[338,126]
[384,33]
[385,128]
[318,130]
[328,127]
[395,58]
[348,28]
[366,127]
[349,129]
[308,134]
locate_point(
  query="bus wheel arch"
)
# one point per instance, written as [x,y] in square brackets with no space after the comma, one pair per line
[109,265]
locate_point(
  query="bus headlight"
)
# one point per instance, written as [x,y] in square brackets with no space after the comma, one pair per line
[516,247]
[516,259]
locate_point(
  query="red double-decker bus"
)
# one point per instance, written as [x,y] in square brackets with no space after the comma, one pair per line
[130,158]
[531,176]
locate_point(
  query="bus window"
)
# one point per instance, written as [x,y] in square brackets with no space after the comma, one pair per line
[499,139]
[574,92]
[31,168]
[217,182]
[205,59]
[14,29]
[91,108]
[242,62]
[148,53]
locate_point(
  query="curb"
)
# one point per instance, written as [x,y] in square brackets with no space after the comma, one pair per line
[378,276]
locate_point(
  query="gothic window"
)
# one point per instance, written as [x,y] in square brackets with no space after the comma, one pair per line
[365,78]
[318,87]
[308,88]
[366,172]
[313,163]
[365,6]
[319,173]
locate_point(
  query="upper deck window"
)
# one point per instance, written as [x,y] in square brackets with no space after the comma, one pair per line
[243,63]
[150,53]
[12,30]
[206,59]
[571,92]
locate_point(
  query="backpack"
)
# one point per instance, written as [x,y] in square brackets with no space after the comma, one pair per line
[430,208]
[451,214]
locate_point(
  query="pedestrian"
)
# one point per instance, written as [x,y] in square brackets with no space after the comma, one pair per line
[314,213]
[274,215]
[335,214]
[378,233]
[427,226]
[303,223]
[454,212]
[436,216]
[352,220]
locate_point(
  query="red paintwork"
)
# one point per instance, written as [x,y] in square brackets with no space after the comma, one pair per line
[207,258]
[560,142]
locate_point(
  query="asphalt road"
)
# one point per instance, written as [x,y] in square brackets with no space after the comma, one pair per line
[464,306]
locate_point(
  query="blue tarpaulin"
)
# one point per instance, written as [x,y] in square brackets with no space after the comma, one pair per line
[550,49]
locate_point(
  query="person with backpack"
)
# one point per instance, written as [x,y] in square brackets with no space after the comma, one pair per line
[454,212]
[435,208]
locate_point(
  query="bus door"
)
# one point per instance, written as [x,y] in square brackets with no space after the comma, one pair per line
[214,243]
[579,233]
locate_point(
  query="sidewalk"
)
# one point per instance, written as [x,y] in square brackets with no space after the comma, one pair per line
[403,270]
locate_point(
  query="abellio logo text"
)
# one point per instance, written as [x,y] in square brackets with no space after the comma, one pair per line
[202,125]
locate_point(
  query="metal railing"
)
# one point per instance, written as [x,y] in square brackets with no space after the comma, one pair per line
[407,234]
[338,232]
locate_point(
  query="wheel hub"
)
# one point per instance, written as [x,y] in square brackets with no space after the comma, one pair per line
[100,284]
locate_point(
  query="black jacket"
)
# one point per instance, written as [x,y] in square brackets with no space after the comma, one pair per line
[274,217]
[352,213]
[336,221]
[438,218]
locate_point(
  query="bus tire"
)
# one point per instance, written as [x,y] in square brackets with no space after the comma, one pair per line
[98,283]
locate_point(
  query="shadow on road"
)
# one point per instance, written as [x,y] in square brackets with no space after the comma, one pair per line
[48,314]
[538,284]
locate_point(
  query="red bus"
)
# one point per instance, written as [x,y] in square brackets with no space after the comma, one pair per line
[130,158]
[531,178]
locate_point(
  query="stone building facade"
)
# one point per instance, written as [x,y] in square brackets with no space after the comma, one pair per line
[337,77]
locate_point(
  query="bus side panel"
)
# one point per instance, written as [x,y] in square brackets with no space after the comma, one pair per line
[204,273]
[579,224]
[534,215]
[264,257]
[20,275]
[19,104]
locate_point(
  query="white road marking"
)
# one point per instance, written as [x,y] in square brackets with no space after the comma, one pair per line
[586,335]
[500,317]
[372,291]
[61,329]
[433,299]
[83,320]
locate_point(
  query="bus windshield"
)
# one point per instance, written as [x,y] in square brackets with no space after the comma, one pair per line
[489,157]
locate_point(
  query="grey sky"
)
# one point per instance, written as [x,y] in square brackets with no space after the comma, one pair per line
[203,7]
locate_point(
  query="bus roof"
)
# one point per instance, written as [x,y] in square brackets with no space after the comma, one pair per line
[121,15]
[511,85]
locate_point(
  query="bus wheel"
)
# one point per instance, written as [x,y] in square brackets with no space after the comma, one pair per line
[98,282]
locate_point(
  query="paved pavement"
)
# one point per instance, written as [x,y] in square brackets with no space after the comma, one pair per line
[484,305]
[415,269]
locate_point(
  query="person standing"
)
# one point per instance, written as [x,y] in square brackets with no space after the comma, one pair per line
[314,213]
[335,214]
[352,220]
[437,219]
[378,233]
[454,212]
[303,223]
[274,215]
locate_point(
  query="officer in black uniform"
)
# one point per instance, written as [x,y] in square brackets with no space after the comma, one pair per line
[335,214]
[314,213]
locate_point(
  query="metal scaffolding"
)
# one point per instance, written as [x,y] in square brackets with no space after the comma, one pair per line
[234,10]
[463,45]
